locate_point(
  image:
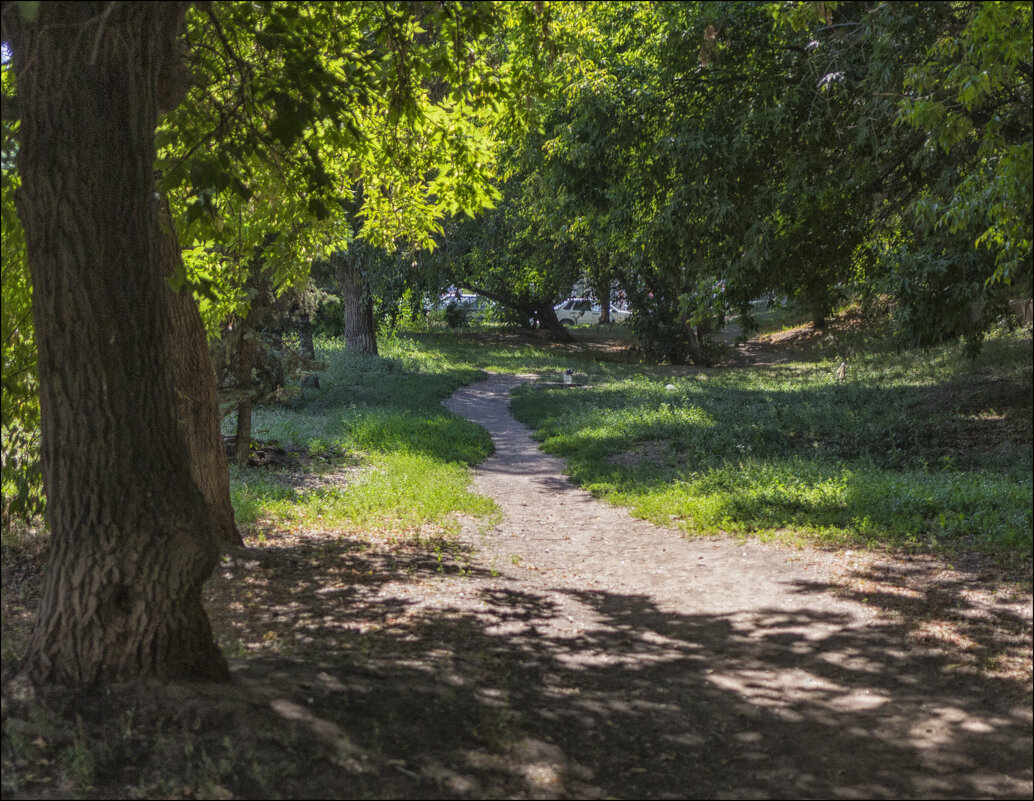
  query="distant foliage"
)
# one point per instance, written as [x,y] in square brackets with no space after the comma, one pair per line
[809,151]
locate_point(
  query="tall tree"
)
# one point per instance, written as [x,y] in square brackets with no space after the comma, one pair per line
[310,96]
[136,517]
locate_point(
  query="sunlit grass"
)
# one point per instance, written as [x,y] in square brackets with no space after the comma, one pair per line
[400,491]
[409,457]
[915,450]
[920,450]
[406,458]
[838,503]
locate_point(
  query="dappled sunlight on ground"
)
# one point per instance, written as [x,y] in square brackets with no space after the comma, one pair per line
[452,681]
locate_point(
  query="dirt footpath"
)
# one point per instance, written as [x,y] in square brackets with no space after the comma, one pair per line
[657,666]
[573,652]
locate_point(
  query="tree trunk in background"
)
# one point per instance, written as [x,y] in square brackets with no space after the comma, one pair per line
[245,364]
[603,295]
[360,334]
[544,313]
[251,348]
[133,536]
[547,318]
[307,348]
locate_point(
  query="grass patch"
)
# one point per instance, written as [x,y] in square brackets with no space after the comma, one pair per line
[406,458]
[397,491]
[913,449]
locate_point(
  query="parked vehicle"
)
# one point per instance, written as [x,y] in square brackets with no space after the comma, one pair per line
[461,309]
[583,311]
[468,302]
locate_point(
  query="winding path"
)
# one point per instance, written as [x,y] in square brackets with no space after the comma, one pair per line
[713,668]
[567,537]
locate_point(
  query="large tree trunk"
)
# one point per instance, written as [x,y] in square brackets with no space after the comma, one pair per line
[358,306]
[133,535]
[546,315]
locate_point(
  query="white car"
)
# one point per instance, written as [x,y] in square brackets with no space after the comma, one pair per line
[582,311]
[470,303]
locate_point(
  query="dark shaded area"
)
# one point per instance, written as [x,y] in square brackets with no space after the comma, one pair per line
[272,454]
[356,683]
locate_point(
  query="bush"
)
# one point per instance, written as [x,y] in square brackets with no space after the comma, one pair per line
[456,316]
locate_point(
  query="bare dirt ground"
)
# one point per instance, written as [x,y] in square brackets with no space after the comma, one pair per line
[571,651]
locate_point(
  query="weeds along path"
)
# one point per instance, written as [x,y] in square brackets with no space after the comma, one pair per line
[654,666]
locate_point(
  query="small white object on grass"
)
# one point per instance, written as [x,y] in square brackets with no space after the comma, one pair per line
[671,387]
[568,376]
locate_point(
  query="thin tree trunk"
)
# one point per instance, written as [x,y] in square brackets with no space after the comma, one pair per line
[250,348]
[245,364]
[307,348]
[604,297]
[133,536]
[358,307]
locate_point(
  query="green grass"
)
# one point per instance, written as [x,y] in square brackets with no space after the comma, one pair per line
[916,450]
[382,416]
[401,491]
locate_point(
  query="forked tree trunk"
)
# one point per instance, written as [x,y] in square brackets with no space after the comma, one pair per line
[133,535]
[360,336]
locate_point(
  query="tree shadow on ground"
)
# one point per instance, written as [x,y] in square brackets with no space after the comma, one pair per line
[979,614]
[404,670]
[487,691]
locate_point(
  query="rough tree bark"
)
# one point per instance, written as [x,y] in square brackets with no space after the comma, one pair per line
[360,336]
[133,534]
[198,395]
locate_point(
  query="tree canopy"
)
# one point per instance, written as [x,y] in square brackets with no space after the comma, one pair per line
[794,150]
[271,128]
